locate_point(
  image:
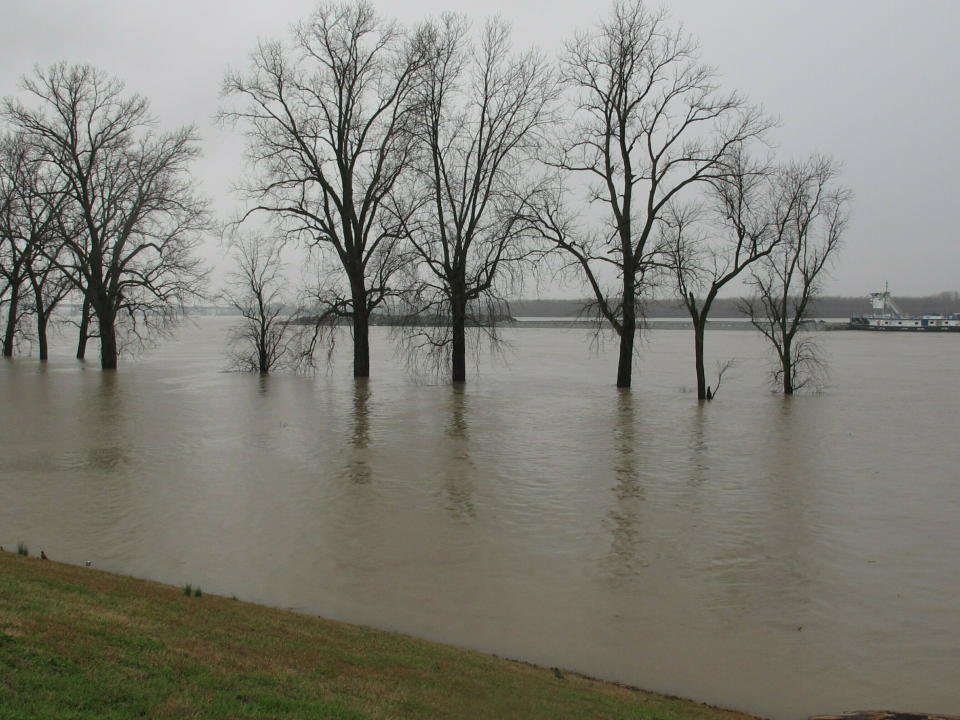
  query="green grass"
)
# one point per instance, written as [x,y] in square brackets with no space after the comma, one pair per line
[80,643]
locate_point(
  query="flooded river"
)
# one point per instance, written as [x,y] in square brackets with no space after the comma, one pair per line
[779,556]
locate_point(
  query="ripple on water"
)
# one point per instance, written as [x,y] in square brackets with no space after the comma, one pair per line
[778,555]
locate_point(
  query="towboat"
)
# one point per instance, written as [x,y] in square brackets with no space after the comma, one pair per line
[887,316]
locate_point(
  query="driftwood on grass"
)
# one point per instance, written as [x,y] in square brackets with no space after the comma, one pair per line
[883,715]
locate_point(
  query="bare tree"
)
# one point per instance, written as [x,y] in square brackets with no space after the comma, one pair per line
[49,286]
[33,226]
[708,246]
[810,214]
[16,310]
[328,125]
[275,330]
[15,250]
[481,109]
[649,121]
[255,290]
[4,285]
[130,188]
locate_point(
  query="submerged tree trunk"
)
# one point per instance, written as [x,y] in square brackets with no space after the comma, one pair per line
[11,330]
[84,329]
[625,363]
[361,340]
[459,340]
[263,361]
[628,332]
[42,321]
[108,347]
[699,327]
[108,339]
[786,364]
[43,316]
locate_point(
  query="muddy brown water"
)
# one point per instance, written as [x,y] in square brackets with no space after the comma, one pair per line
[780,556]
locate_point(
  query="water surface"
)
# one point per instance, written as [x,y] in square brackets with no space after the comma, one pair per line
[780,556]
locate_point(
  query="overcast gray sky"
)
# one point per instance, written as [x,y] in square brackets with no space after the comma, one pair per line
[872,82]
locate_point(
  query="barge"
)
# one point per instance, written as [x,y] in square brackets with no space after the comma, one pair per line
[887,316]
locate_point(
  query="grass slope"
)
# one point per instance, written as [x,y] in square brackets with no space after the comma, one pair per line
[80,643]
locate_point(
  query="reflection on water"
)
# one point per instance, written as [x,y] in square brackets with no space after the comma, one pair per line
[101,420]
[458,468]
[360,437]
[624,518]
[697,447]
[458,426]
[358,466]
[783,556]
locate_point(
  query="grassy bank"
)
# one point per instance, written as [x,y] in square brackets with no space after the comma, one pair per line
[80,643]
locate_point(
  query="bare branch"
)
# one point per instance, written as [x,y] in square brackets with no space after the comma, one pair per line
[129,219]
[328,121]
[481,111]
[650,123]
[809,214]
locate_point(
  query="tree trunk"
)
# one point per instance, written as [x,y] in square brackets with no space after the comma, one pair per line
[627,333]
[262,360]
[786,363]
[84,329]
[42,320]
[459,347]
[361,340]
[625,364]
[43,316]
[108,341]
[699,327]
[11,330]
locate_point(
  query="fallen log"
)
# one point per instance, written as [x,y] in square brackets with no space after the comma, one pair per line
[883,715]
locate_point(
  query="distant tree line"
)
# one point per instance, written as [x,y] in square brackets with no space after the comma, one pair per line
[427,172]
[825,306]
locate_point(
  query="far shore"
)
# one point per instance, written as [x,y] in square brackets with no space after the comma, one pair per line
[572,323]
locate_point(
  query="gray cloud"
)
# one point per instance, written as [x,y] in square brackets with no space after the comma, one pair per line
[872,82]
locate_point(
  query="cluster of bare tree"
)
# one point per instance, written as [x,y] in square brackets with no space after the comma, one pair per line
[399,156]
[96,204]
[434,167]
[426,171]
